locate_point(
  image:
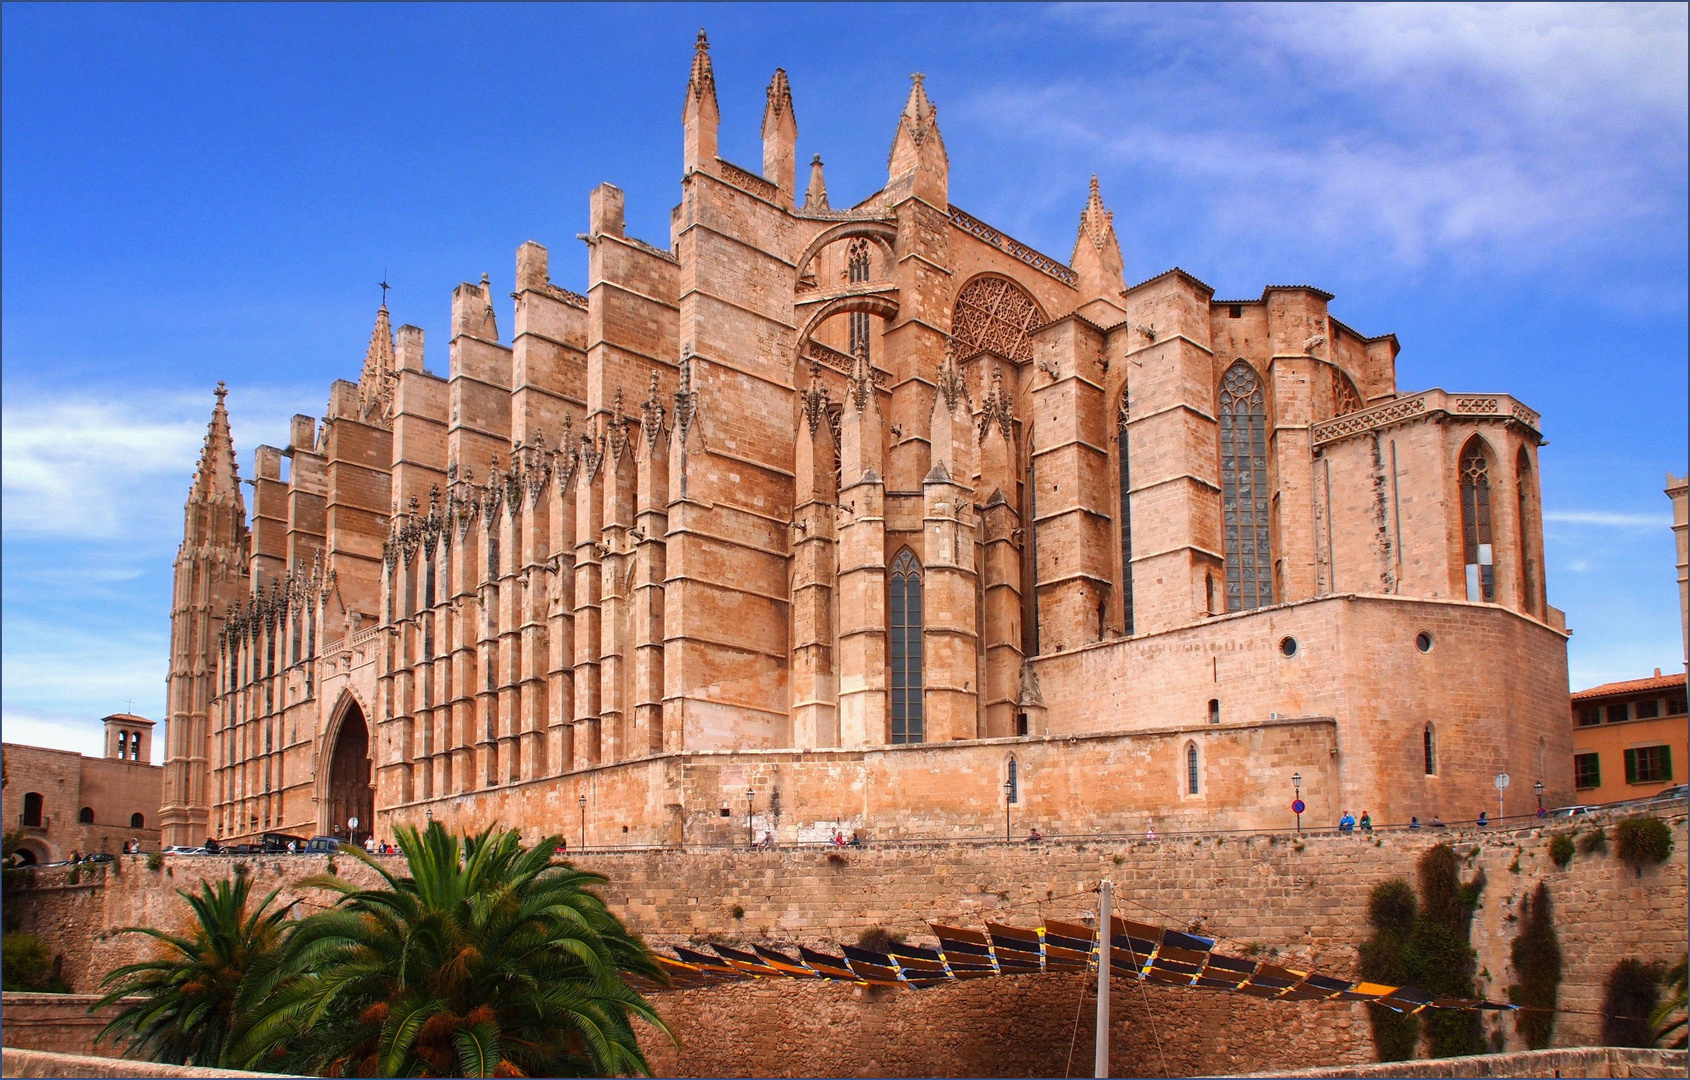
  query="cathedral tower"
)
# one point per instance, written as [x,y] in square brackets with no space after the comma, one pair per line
[211,574]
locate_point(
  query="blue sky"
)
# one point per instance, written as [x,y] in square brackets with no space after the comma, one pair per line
[211,192]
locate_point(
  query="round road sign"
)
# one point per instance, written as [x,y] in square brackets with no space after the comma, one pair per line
[1298,807]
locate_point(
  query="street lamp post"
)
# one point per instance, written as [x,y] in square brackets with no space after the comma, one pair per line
[1538,787]
[750,800]
[1008,792]
[582,802]
[1297,799]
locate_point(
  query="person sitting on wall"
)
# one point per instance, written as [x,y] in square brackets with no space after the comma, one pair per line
[856,839]
[1034,836]
[768,840]
[1484,820]
[1346,824]
[838,839]
[1150,831]
[1366,821]
[1438,822]
[212,847]
[1414,822]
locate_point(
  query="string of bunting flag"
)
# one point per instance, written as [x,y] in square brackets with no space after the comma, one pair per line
[1152,953]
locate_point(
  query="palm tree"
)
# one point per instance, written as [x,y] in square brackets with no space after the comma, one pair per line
[1669,1018]
[181,1003]
[487,960]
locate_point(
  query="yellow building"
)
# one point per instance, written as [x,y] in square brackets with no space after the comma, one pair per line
[1629,738]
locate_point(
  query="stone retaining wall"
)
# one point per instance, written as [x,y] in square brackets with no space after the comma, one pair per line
[1302,902]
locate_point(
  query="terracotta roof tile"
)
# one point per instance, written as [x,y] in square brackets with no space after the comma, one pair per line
[1632,686]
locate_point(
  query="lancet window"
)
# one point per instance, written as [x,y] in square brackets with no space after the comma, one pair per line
[1126,518]
[904,610]
[1244,490]
[857,267]
[1528,529]
[1479,555]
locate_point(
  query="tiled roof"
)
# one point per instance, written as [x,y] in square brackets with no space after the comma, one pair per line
[1632,686]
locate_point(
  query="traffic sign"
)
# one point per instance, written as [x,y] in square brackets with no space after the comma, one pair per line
[1298,807]
[1501,780]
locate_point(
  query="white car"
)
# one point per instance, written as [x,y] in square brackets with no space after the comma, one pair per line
[177,849]
[1573,811]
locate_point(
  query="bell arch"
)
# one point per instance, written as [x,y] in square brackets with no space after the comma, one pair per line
[344,788]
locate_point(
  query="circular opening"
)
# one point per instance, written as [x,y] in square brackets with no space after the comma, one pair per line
[1423,641]
[1288,646]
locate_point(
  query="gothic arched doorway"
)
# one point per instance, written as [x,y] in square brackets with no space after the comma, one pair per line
[350,796]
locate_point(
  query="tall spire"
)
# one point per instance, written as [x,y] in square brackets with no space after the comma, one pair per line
[1097,252]
[218,477]
[699,116]
[815,197]
[918,164]
[780,137]
[375,385]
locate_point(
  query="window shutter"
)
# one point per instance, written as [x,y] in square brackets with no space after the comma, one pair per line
[1631,766]
[1666,764]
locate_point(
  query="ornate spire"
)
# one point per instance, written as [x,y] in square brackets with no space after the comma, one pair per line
[949,381]
[779,108]
[859,390]
[218,477]
[376,384]
[701,83]
[918,164]
[815,197]
[652,414]
[1097,253]
[815,398]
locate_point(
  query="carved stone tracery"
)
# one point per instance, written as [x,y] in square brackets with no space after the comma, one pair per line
[993,313]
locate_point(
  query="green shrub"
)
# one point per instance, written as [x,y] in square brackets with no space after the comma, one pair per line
[26,964]
[1444,962]
[1594,842]
[1561,849]
[1391,910]
[155,861]
[1536,954]
[737,911]
[1641,841]
[1630,996]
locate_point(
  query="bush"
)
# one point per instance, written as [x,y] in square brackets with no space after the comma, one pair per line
[1628,999]
[1561,849]
[1536,954]
[155,861]
[1444,963]
[738,911]
[1641,841]
[26,964]
[1594,842]
[879,939]
[1391,910]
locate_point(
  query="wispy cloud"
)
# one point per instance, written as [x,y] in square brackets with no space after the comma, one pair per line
[1609,519]
[1512,138]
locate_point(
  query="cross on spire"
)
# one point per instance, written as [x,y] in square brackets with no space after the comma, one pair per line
[384,287]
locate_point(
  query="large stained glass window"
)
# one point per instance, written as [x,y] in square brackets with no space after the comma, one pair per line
[1126,520]
[1244,490]
[856,263]
[904,612]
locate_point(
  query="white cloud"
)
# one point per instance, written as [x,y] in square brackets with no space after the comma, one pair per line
[1514,137]
[1609,519]
[82,736]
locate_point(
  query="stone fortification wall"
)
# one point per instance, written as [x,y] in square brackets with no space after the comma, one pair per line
[1299,901]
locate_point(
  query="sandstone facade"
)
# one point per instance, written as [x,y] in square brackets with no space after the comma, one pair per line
[842,518]
[64,803]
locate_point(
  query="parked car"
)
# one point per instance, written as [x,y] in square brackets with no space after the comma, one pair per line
[1667,796]
[324,845]
[1577,810]
[180,849]
[98,857]
[274,843]
[241,849]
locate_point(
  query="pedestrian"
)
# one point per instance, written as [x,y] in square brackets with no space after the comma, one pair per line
[838,839]
[1346,824]
[1034,836]
[1366,821]
[1150,831]
[856,839]
[370,844]
[1414,822]
[293,847]
[1484,820]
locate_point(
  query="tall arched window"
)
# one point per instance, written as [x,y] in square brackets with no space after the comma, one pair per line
[32,809]
[1528,526]
[1126,519]
[1013,786]
[1430,747]
[122,745]
[1191,777]
[137,821]
[856,264]
[86,816]
[904,624]
[1475,522]
[1244,489]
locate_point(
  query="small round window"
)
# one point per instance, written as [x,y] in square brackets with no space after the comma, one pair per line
[1423,641]
[1288,646]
